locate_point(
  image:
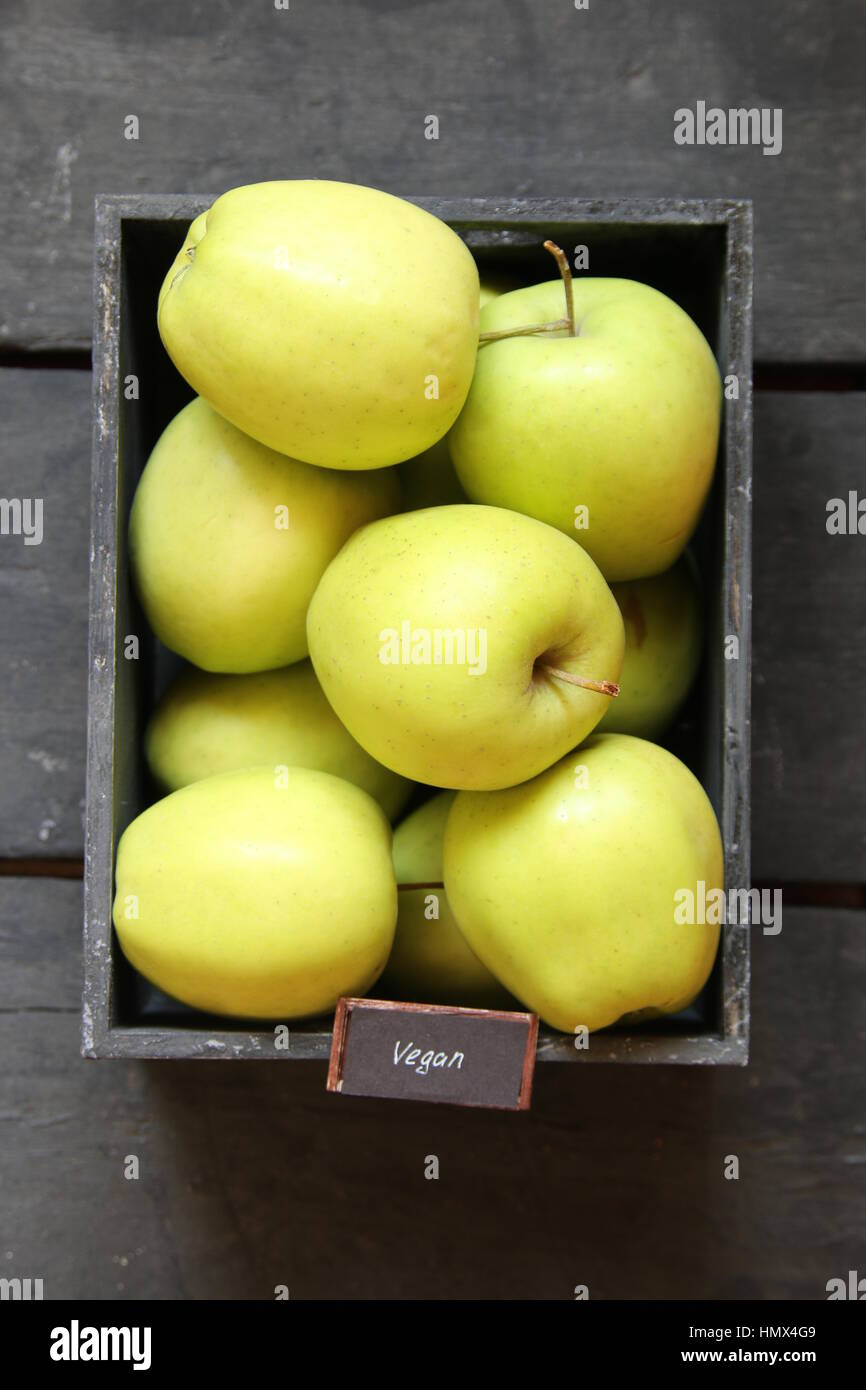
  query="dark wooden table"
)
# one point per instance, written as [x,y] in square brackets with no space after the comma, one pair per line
[250,1175]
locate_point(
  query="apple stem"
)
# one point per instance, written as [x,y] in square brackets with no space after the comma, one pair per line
[601,687]
[565,271]
[493,334]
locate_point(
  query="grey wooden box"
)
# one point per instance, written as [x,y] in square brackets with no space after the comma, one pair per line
[698,252]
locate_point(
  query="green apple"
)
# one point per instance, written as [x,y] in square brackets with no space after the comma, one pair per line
[417,847]
[465,646]
[257,894]
[663,638]
[567,887]
[228,540]
[609,434]
[430,961]
[207,723]
[429,480]
[332,322]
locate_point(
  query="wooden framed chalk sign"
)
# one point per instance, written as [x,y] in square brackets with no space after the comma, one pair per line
[478,1057]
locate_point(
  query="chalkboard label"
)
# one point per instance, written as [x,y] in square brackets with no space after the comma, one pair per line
[480,1057]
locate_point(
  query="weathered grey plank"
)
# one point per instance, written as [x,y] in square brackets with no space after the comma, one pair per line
[44,456]
[252,1176]
[540,99]
[809,642]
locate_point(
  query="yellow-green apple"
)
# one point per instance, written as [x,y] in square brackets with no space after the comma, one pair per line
[208,723]
[430,961]
[429,480]
[228,540]
[332,322]
[258,894]
[608,432]
[663,636]
[567,887]
[465,646]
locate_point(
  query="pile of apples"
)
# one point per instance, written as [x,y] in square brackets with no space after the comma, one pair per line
[402,544]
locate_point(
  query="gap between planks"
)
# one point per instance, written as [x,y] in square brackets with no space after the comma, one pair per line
[841,895]
[41,868]
[46,359]
[768,376]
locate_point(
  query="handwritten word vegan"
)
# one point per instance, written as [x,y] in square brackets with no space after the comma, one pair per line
[410,1054]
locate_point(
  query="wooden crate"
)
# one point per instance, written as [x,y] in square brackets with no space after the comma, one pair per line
[698,252]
